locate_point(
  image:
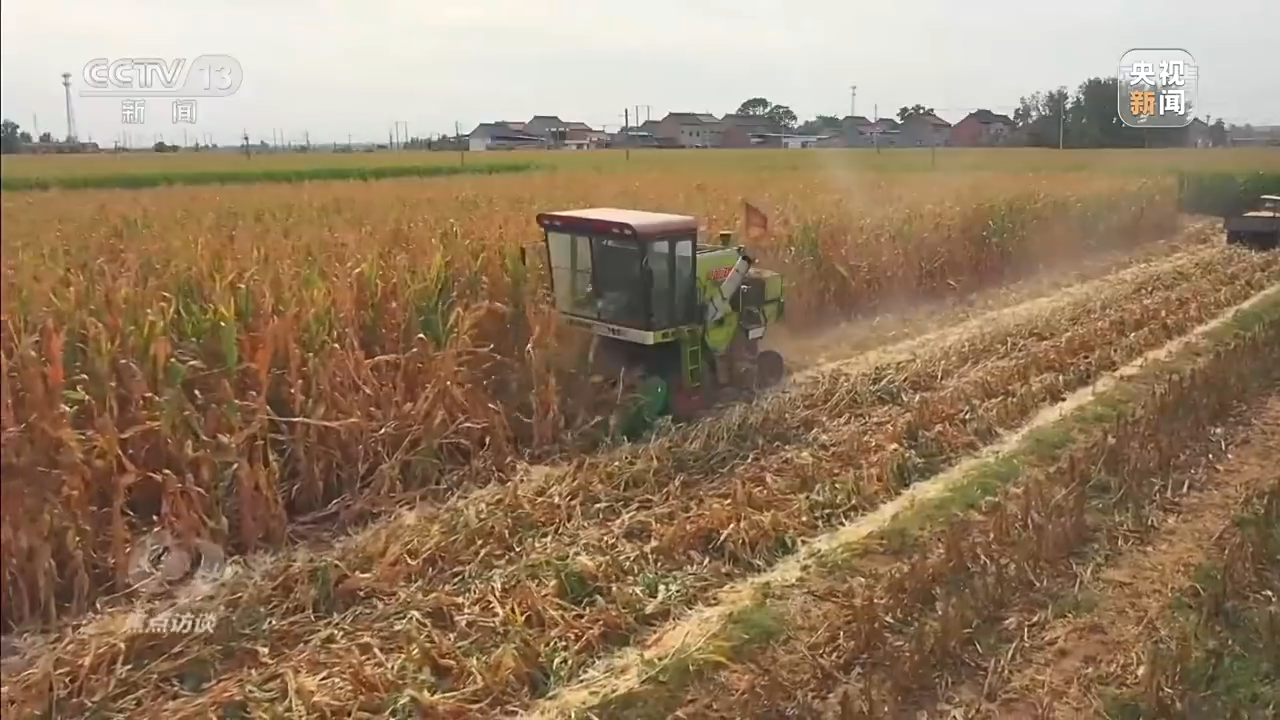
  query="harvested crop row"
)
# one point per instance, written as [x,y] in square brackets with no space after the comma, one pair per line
[1218,652]
[503,636]
[928,603]
[234,360]
[1077,650]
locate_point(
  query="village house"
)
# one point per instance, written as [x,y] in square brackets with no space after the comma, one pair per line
[982,128]
[548,127]
[539,131]
[649,126]
[925,129]
[690,129]
[582,136]
[1197,134]
[790,141]
[631,137]
[502,136]
[737,130]
[1253,136]
[854,131]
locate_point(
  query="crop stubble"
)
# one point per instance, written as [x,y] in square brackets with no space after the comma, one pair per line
[495,600]
[937,620]
[1070,661]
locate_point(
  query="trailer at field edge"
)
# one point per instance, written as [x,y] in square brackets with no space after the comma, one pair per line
[1258,229]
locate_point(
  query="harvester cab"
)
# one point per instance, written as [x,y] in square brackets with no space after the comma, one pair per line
[1258,229]
[678,320]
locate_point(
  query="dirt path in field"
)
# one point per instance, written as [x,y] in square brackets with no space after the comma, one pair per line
[631,667]
[1058,671]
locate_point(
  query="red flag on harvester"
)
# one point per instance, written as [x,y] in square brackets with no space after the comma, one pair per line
[757,221]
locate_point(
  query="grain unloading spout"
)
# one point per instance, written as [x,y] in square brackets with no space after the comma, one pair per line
[718,305]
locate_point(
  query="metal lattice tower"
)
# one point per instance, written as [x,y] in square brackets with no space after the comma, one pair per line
[71,118]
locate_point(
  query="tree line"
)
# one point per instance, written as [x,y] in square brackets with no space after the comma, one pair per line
[1085,118]
[1088,118]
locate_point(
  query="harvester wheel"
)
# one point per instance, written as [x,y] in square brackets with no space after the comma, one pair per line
[770,369]
[642,407]
[654,397]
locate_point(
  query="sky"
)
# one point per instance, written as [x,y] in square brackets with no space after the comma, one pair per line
[328,70]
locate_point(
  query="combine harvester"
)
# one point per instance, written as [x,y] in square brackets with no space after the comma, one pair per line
[677,323]
[1258,229]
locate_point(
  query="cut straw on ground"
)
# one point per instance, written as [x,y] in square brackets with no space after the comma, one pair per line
[1071,662]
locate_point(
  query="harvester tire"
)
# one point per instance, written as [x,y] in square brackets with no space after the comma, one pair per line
[770,369]
[642,408]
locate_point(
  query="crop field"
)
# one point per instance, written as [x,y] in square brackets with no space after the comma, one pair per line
[964,160]
[1019,470]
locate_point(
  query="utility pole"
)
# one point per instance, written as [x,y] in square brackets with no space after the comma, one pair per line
[1062,119]
[626,132]
[875,134]
[627,137]
[307,134]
